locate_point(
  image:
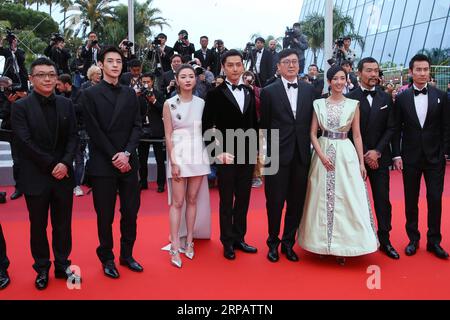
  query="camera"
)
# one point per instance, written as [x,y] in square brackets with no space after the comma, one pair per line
[148,92]
[198,69]
[128,44]
[56,37]
[249,46]
[156,42]
[290,32]
[339,42]
[94,42]
[10,36]
[185,35]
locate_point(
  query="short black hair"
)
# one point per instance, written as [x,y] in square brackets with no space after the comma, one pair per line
[204,37]
[261,39]
[286,53]
[91,32]
[366,60]
[42,62]
[65,78]
[418,57]
[186,58]
[182,32]
[231,53]
[148,75]
[161,35]
[346,63]
[134,63]
[108,49]
[313,65]
[175,56]
[220,42]
[182,67]
[347,38]
[297,24]
[333,70]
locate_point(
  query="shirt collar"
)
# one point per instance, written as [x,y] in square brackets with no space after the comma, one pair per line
[285,81]
[414,87]
[110,85]
[228,81]
[45,100]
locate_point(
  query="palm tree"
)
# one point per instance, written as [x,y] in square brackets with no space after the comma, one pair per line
[438,57]
[65,5]
[314,27]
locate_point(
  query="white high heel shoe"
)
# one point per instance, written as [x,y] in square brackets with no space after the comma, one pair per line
[175,258]
[189,250]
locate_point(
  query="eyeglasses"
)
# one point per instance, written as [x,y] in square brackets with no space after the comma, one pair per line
[42,76]
[288,62]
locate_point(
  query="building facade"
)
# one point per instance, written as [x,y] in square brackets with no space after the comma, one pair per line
[393,30]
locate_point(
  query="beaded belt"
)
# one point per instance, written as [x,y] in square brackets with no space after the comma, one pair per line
[335,135]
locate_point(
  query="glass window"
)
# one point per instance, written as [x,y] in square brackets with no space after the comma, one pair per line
[446,38]
[344,6]
[397,14]
[402,46]
[386,15]
[316,6]
[357,18]
[378,46]
[375,16]
[417,40]
[321,8]
[351,13]
[434,36]
[368,45]
[365,20]
[353,3]
[441,9]
[424,11]
[410,12]
[389,46]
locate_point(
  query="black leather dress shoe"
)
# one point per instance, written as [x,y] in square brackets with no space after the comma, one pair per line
[67,274]
[4,279]
[272,256]
[437,250]
[16,195]
[132,264]
[390,251]
[290,254]
[411,248]
[143,186]
[228,252]
[41,280]
[110,270]
[160,189]
[245,247]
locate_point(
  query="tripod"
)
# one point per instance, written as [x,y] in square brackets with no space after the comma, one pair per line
[253,63]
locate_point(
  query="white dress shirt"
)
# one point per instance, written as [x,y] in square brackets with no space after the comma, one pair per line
[258,60]
[239,95]
[292,94]
[369,97]
[421,104]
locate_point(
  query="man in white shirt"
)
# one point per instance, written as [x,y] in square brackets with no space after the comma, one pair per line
[261,62]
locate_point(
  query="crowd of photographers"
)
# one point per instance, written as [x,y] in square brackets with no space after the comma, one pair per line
[79,70]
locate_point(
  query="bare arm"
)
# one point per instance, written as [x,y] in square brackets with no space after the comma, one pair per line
[168,129]
[358,142]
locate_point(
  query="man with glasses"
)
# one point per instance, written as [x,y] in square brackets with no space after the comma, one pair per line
[45,128]
[287,106]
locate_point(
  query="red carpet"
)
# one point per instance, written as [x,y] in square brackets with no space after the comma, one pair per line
[210,276]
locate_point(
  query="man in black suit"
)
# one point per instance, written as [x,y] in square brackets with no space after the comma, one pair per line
[231,107]
[377,123]
[45,128]
[420,145]
[4,262]
[352,81]
[205,55]
[14,67]
[165,53]
[133,77]
[261,62]
[90,52]
[287,106]
[112,118]
[151,102]
[183,47]
[315,80]
[168,78]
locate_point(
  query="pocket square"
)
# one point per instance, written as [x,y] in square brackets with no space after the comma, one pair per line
[383,107]
[439,100]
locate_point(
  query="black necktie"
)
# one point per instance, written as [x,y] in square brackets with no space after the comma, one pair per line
[367,92]
[423,91]
[294,85]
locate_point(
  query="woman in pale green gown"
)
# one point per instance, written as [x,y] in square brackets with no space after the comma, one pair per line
[337,217]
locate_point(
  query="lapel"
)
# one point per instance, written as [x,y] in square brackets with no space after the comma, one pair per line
[246,99]
[411,105]
[365,111]
[230,96]
[432,98]
[58,115]
[39,119]
[300,98]
[118,105]
[284,98]
[377,103]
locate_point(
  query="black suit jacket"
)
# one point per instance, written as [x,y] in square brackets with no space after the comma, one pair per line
[209,61]
[222,112]
[410,139]
[88,58]
[152,113]
[8,69]
[377,123]
[266,66]
[125,79]
[38,152]
[276,113]
[166,78]
[112,125]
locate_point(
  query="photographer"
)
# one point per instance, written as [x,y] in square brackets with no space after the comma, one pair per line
[342,51]
[294,39]
[315,80]
[133,78]
[168,78]
[165,52]
[7,97]
[183,46]
[90,52]
[219,50]
[14,67]
[205,55]
[261,61]
[58,54]
[76,67]
[203,77]
[125,46]
[151,103]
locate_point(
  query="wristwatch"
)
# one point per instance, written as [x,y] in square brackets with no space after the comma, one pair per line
[127,153]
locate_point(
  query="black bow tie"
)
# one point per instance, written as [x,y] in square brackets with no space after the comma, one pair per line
[367,92]
[258,51]
[294,85]
[234,87]
[423,91]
